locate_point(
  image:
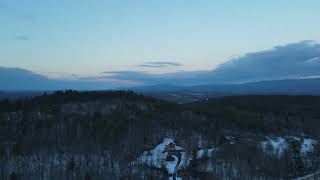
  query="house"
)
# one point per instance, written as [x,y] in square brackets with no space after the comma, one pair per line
[170,147]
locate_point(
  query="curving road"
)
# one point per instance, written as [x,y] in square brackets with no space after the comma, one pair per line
[173,167]
[313,176]
[177,167]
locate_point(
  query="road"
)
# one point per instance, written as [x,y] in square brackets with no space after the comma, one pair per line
[313,176]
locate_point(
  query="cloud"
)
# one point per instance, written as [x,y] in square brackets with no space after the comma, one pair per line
[21,38]
[295,60]
[16,78]
[292,61]
[281,62]
[151,66]
[159,64]
[315,60]
[21,79]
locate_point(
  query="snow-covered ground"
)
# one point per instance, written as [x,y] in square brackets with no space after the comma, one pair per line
[171,165]
[277,145]
[203,153]
[312,176]
[177,178]
[307,146]
[231,139]
[180,159]
[157,157]
[274,145]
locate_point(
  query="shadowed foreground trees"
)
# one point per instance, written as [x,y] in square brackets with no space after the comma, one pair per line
[94,135]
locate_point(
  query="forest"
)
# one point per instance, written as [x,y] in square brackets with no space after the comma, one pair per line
[99,134]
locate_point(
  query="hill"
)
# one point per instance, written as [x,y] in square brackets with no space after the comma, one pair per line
[71,134]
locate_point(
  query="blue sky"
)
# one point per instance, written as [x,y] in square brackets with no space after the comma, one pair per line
[85,38]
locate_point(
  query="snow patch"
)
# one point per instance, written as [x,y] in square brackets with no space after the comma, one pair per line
[274,145]
[231,139]
[307,146]
[277,145]
[206,153]
[171,165]
[315,175]
[177,178]
[156,157]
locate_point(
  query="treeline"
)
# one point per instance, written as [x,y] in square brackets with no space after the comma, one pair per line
[267,114]
[66,96]
[83,135]
[74,135]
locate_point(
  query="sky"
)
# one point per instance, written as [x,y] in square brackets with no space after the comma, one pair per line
[85,38]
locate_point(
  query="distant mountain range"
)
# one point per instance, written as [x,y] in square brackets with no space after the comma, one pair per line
[289,86]
[19,94]
[195,93]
